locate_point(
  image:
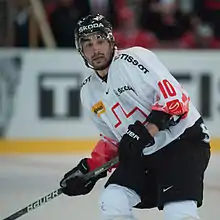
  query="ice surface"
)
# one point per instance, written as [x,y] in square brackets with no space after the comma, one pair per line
[26,178]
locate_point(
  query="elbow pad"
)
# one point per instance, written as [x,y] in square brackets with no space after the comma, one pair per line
[160,119]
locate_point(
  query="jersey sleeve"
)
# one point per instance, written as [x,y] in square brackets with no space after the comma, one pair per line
[107,147]
[168,95]
[104,151]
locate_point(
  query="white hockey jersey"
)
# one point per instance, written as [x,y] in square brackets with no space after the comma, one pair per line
[137,83]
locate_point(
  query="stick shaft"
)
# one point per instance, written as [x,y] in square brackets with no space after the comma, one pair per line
[58,192]
[35,205]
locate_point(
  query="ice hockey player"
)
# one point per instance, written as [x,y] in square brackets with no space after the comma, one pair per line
[146,118]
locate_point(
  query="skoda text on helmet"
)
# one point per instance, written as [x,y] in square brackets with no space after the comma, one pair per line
[92,24]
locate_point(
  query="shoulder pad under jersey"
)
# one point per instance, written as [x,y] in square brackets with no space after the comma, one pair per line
[86,80]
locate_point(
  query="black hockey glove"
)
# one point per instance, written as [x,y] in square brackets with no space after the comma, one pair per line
[134,141]
[73,183]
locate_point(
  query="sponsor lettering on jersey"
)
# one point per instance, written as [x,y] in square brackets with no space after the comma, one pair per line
[122,89]
[133,61]
[86,81]
[98,108]
[90,26]
[175,107]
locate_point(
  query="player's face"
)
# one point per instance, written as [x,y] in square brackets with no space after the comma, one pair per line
[98,51]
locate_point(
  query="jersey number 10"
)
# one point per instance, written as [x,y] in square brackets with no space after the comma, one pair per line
[166,88]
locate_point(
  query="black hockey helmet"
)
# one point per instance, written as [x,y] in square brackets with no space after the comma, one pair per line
[89,25]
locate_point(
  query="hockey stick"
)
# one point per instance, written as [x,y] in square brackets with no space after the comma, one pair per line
[58,192]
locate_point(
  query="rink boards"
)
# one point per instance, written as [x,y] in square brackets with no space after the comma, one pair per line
[43,112]
[61,146]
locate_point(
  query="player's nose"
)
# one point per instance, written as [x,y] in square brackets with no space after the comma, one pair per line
[96,48]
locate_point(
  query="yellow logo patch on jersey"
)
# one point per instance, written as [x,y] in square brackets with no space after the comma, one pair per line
[98,108]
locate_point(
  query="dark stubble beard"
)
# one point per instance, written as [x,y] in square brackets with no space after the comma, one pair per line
[104,66]
[107,64]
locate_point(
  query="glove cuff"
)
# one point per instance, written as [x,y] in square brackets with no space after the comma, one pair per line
[83,166]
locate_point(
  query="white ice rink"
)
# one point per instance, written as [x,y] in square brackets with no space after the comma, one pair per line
[24,179]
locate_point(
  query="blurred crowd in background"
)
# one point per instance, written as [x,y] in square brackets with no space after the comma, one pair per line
[174,24]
